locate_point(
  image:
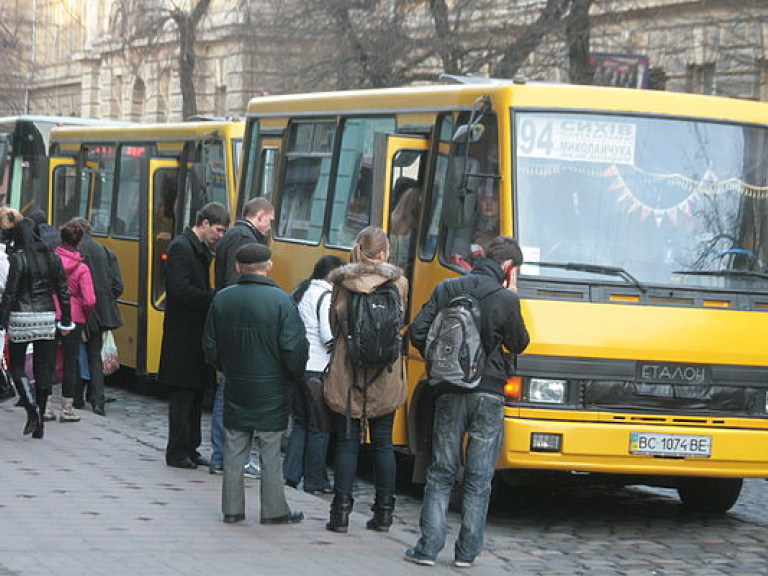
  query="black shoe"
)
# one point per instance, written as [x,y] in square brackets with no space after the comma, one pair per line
[233,518]
[99,410]
[185,463]
[199,460]
[39,432]
[290,518]
[327,490]
[292,484]
[78,403]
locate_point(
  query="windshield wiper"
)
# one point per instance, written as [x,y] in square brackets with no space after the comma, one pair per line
[595,269]
[735,273]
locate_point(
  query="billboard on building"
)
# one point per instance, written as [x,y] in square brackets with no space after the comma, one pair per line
[623,70]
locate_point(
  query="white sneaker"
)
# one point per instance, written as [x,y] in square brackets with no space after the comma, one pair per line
[49,415]
[252,470]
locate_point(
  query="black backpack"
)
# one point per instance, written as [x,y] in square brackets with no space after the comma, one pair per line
[374,323]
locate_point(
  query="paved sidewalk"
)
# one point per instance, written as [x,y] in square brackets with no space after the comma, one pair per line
[95,497]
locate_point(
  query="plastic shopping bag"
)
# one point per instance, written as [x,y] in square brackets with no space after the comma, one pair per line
[110,361]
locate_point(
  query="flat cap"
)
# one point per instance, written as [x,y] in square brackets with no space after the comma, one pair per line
[253,254]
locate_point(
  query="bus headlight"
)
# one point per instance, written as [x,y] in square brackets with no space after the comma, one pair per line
[547,391]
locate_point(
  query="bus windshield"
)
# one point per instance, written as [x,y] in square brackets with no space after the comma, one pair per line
[669,201]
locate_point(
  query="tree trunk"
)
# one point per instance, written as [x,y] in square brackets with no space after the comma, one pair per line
[577,31]
[518,51]
[187,25]
[446,47]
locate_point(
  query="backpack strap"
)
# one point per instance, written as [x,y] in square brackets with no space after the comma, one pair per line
[320,300]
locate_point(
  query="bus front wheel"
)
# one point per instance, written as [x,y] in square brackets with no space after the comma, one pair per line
[716,495]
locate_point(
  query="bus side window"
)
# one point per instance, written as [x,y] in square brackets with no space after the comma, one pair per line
[352,197]
[268,180]
[471,210]
[97,182]
[248,188]
[405,200]
[302,202]
[215,172]
[64,193]
[128,189]
[435,207]
[164,210]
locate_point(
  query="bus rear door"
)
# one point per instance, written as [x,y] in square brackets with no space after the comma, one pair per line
[158,225]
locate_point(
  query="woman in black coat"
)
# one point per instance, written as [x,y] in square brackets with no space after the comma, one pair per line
[28,313]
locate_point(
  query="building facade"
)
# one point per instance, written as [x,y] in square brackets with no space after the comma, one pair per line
[119,58]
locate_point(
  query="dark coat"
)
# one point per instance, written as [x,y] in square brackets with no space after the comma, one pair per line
[107,282]
[188,296]
[33,279]
[388,391]
[242,233]
[501,322]
[254,334]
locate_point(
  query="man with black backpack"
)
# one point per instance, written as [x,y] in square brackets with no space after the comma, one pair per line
[469,384]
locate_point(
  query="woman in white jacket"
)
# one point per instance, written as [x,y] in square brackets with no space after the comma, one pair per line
[307,448]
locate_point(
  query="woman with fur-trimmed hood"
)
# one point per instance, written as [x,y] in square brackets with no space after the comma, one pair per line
[367,271]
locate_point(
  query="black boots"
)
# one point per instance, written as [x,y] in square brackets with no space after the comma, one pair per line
[42,403]
[382,509]
[27,397]
[340,509]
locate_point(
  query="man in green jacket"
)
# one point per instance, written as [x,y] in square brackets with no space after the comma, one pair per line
[255,336]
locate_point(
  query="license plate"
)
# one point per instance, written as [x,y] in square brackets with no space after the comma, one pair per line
[680,445]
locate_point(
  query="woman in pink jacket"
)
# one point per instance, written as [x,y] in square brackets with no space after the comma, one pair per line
[82,301]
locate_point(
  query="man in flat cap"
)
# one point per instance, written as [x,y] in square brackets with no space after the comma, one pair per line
[255,336]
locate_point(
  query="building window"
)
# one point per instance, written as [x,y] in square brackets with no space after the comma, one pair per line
[138,100]
[701,79]
[762,80]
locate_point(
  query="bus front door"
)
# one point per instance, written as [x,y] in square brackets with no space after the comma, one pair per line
[400,167]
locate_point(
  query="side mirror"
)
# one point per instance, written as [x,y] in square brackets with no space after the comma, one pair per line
[469,134]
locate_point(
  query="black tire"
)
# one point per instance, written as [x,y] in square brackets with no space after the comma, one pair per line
[715,495]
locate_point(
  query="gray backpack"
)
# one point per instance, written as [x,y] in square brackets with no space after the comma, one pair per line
[454,352]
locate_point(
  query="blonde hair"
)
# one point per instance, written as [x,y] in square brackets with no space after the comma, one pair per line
[370,242]
[9,217]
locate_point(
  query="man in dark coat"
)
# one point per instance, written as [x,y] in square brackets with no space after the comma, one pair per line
[254,226]
[182,366]
[478,412]
[254,334]
[108,285]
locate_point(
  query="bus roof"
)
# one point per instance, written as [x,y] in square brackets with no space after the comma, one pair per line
[523,94]
[64,120]
[156,132]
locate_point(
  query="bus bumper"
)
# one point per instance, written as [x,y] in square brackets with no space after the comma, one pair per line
[595,447]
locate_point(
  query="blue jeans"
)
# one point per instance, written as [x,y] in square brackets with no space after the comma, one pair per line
[481,417]
[217,428]
[347,447]
[305,456]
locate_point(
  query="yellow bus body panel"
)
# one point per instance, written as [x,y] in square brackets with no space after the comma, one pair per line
[635,332]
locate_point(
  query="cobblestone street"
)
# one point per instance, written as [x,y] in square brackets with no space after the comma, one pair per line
[96,497]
